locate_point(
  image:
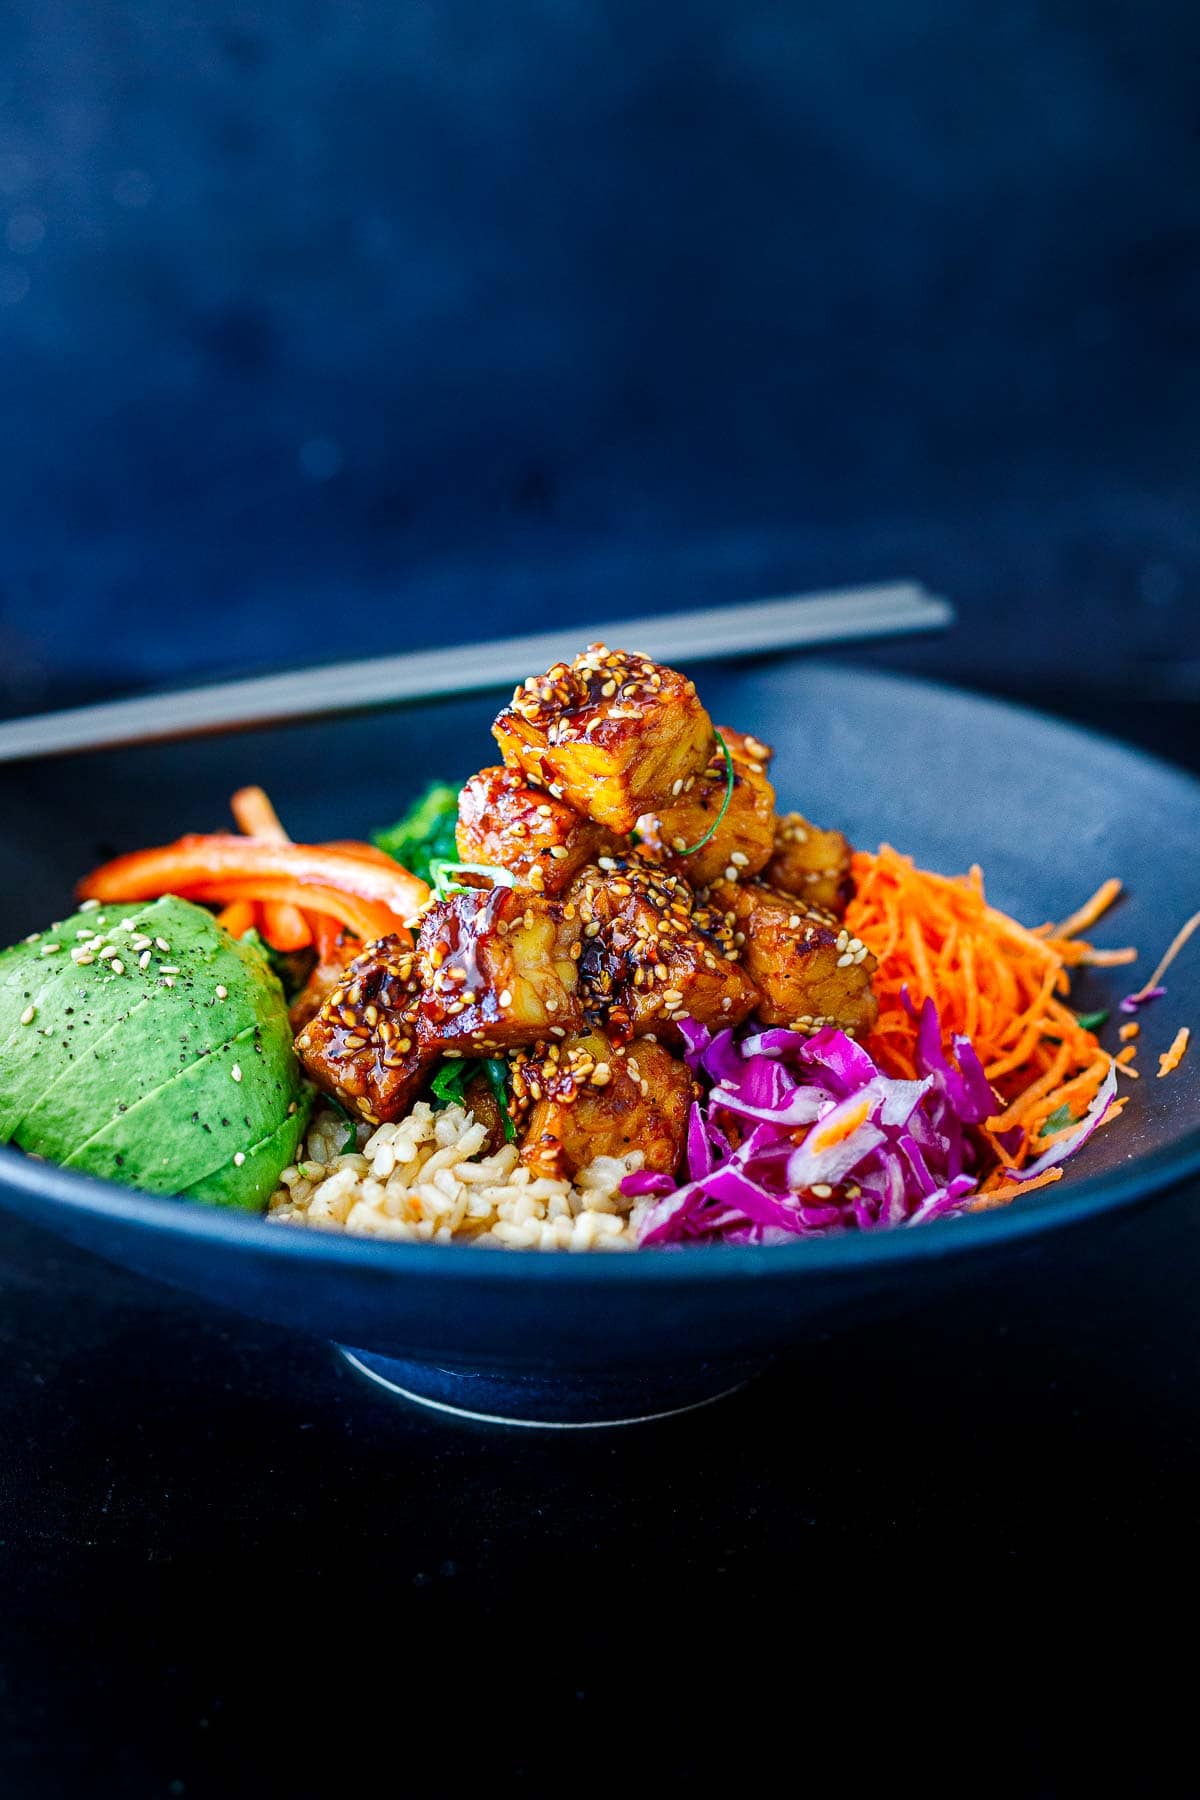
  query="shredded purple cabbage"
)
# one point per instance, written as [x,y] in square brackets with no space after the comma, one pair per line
[1134,1002]
[825,1141]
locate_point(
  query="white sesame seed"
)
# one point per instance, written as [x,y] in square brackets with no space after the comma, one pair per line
[606,862]
[162,943]
[731,873]
[739,857]
[168,981]
[291,1108]
[823,1191]
[142,943]
[83,936]
[90,906]
[107,951]
[236,1071]
[844,960]
[47,1031]
[222,993]
[169,969]
[239,1159]
[82,957]
[505,997]
[794,921]
[29,1015]
[49,949]
[144,960]
[117,966]
[127,925]
[677,786]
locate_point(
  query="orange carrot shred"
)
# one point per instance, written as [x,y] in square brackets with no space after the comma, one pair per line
[1171,1059]
[994,981]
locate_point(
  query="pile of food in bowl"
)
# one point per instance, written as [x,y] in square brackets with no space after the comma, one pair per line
[605,996]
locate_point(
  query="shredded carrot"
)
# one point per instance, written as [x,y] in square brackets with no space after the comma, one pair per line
[1129,1031]
[1174,947]
[1091,910]
[1171,1059]
[1012,1190]
[993,980]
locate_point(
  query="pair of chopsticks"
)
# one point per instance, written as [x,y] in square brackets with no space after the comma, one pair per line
[797,622]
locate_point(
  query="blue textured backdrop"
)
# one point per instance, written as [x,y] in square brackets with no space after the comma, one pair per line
[355,324]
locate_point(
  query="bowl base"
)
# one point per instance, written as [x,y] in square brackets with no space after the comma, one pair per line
[566,1402]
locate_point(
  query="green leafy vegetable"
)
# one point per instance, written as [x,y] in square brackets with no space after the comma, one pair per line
[1058,1121]
[730,784]
[449,1085]
[426,832]
[1092,1021]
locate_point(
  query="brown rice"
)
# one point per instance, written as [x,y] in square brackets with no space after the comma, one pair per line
[423,1179]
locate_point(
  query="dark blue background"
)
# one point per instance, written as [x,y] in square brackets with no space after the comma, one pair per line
[330,326]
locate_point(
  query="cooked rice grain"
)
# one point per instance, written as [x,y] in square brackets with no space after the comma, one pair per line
[423,1180]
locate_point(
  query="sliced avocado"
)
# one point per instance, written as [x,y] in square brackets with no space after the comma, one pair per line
[258,1176]
[135,1079]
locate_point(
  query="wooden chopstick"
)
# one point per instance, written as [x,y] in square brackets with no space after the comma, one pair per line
[795,622]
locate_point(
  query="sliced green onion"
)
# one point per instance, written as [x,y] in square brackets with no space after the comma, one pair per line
[496,1070]
[730,784]
[441,876]
[1092,1021]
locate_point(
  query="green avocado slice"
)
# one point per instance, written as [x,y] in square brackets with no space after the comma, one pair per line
[198,1119]
[135,1077]
[258,1176]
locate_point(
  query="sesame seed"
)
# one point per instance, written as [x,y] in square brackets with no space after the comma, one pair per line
[731,873]
[559,851]
[81,957]
[117,966]
[127,925]
[168,981]
[236,1071]
[739,858]
[844,960]
[90,906]
[144,960]
[83,936]
[605,862]
[29,1015]
[545,812]
[677,785]
[49,949]
[162,943]
[169,969]
[794,921]
[142,943]
[823,1191]
[107,951]
[239,1159]
[291,1108]
[505,997]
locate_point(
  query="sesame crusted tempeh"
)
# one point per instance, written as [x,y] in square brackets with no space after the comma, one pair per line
[610,733]
[809,971]
[498,967]
[742,843]
[811,863]
[588,1098]
[542,841]
[362,1045]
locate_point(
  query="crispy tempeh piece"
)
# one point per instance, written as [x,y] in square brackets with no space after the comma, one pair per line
[812,863]
[646,963]
[810,972]
[610,733]
[362,1045]
[541,840]
[743,842]
[498,967]
[587,1098]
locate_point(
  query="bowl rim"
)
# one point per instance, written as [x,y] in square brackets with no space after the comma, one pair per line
[24,1177]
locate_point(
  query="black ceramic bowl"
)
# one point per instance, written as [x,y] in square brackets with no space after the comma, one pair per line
[1049,811]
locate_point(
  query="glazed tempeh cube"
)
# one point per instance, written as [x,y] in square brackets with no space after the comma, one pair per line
[809,971]
[646,964]
[812,863]
[498,967]
[362,1045]
[541,840]
[610,734]
[742,844]
[588,1098]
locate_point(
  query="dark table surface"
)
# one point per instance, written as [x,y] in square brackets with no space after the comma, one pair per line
[230,1567]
